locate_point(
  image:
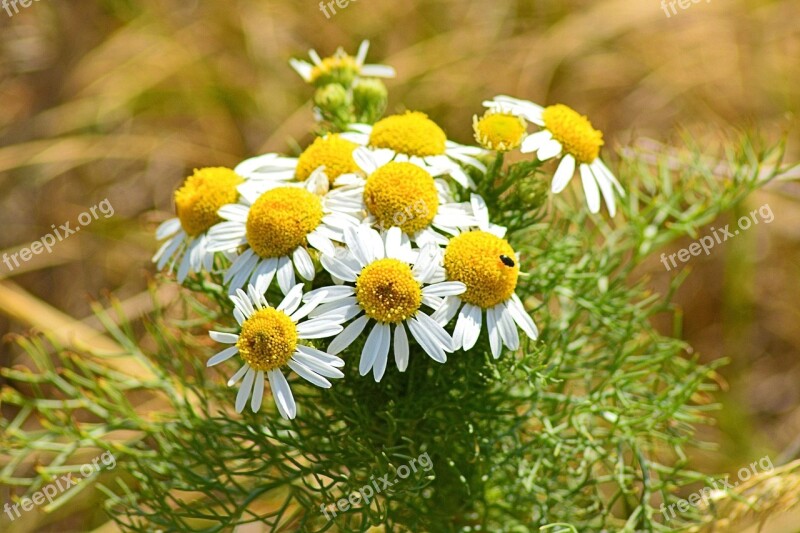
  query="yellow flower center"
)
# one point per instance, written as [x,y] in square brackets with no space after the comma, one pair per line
[340,68]
[268,339]
[403,195]
[387,291]
[332,152]
[201,196]
[499,131]
[486,264]
[412,133]
[574,132]
[280,219]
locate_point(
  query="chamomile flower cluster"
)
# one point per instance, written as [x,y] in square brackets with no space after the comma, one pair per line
[374,231]
[565,135]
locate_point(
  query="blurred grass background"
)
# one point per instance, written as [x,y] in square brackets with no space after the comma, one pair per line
[120,99]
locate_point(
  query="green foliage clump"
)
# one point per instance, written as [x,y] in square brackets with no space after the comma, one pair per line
[584,429]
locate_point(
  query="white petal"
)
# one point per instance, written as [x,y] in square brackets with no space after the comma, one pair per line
[446,310]
[224,338]
[364,159]
[373,242]
[400,347]
[330,293]
[338,308]
[167,228]
[318,366]
[246,261]
[446,288]
[282,394]
[338,268]
[471,324]
[521,317]
[549,149]
[242,301]
[607,188]
[319,355]
[318,328]
[564,173]
[292,300]
[357,246]
[437,331]
[479,210]
[302,68]
[234,213]
[258,392]
[239,316]
[495,342]
[427,341]
[186,262]
[535,141]
[379,366]
[508,330]
[377,343]
[226,236]
[427,263]
[309,375]
[245,389]
[307,308]
[321,243]
[394,243]
[224,355]
[285,274]
[303,263]
[361,56]
[315,57]
[346,337]
[238,375]
[378,71]
[597,163]
[590,189]
[258,299]
[264,274]
[168,249]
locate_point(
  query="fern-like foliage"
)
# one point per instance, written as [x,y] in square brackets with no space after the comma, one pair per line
[584,429]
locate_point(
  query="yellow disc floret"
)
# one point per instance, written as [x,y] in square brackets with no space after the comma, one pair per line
[339,68]
[486,264]
[574,132]
[388,292]
[412,133]
[499,131]
[332,152]
[201,196]
[268,339]
[403,195]
[280,220]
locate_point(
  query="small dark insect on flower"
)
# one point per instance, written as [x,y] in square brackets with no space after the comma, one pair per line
[507,261]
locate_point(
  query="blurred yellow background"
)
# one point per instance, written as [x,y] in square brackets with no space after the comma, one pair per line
[120,99]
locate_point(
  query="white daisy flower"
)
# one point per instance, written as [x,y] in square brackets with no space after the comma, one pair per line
[340,67]
[196,204]
[269,340]
[489,268]
[390,283]
[317,167]
[570,136]
[414,137]
[500,129]
[404,195]
[277,224]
